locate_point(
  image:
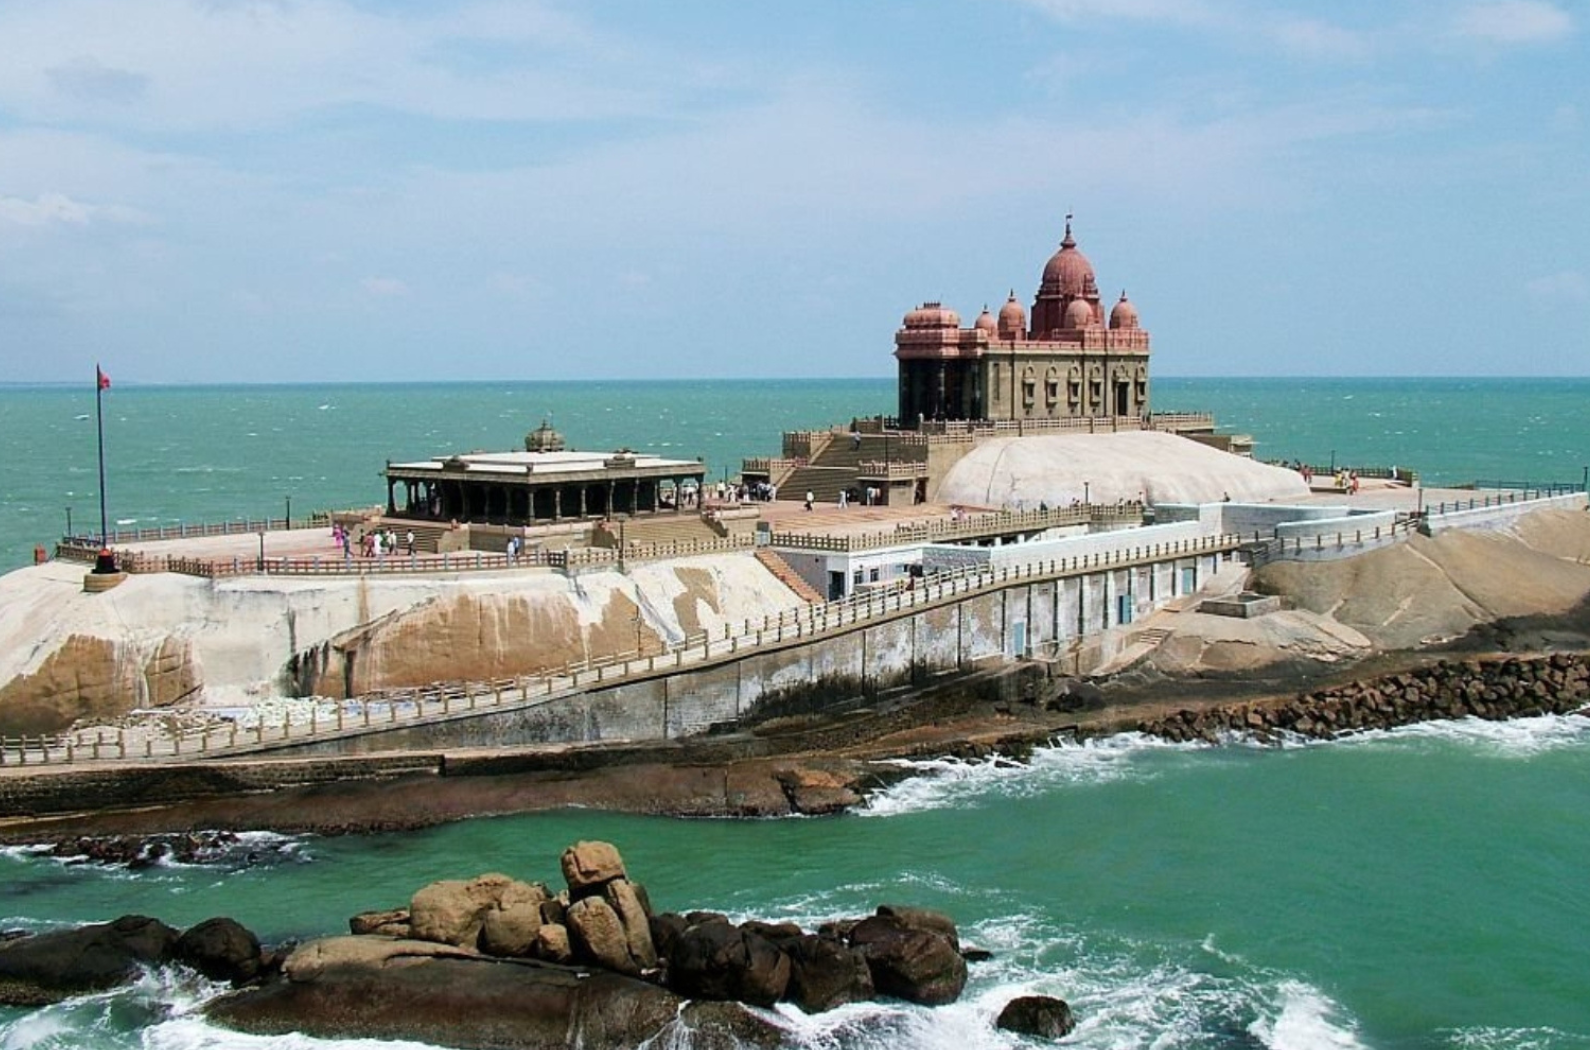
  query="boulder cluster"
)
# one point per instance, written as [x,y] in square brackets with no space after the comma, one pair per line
[44,968]
[603,919]
[1489,689]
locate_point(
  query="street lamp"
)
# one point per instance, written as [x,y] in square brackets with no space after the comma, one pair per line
[69,521]
[1087,493]
[289,511]
[260,565]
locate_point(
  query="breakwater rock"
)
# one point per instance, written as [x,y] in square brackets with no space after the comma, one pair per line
[495,961]
[1489,689]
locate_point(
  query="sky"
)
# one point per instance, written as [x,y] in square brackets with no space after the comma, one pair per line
[307,190]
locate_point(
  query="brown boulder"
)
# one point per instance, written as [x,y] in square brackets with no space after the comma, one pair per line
[48,967]
[221,949]
[630,907]
[598,935]
[918,965]
[587,866]
[421,992]
[825,973]
[1043,1016]
[453,912]
[552,943]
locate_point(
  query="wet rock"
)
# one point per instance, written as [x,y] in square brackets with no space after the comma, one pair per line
[49,967]
[432,993]
[221,949]
[1043,1016]
[918,965]
[825,973]
[714,960]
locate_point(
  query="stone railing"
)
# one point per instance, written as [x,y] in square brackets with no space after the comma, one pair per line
[312,720]
[319,519]
[970,526]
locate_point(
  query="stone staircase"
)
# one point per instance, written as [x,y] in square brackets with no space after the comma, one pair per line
[1151,637]
[668,528]
[427,538]
[837,466]
[787,576]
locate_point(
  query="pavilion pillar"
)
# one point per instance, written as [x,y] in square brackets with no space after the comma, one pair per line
[557,504]
[656,495]
[390,508]
[612,488]
[583,511]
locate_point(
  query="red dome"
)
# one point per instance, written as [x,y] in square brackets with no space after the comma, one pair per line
[932,315]
[1124,314]
[1012,318]
[1068,271]
[985,321]
[1079,314]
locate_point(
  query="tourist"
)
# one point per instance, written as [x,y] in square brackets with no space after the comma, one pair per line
[855,440]
[809,499]
[844,499]
[408,541]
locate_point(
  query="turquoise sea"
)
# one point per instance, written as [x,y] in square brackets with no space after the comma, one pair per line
[1410,890]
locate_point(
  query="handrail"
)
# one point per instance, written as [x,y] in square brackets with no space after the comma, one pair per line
[445,701]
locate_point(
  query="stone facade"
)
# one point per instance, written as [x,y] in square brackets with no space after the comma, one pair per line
[1072,361]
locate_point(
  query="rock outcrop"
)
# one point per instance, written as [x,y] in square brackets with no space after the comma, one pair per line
[492,961]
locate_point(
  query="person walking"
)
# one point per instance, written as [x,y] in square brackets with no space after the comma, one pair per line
[810,499]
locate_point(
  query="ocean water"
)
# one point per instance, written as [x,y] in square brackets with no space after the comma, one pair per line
[1414,889]
[197,453]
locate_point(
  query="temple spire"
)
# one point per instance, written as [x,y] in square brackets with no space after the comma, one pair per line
[1068,241]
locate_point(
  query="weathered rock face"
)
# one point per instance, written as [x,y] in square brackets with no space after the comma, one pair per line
[392,922]
[597,933]
[455,912]
[587,866]
[49,967]
[83,678]
[1038,1015]
[382,989]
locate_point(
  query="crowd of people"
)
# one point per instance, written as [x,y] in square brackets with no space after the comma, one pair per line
[370,543]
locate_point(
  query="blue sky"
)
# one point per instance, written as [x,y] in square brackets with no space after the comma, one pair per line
[289,190]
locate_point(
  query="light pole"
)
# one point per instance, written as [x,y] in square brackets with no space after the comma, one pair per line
[260,565]
[289,511]
[69,521]
[1087,493]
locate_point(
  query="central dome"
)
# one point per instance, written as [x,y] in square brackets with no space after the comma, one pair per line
[1068,271]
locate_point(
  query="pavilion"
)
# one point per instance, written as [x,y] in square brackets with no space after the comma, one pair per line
[545,483]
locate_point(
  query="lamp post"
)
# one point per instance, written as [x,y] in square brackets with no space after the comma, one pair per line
[1087,493]
[260,565]
[68,522]
[1333,461]
[289,511]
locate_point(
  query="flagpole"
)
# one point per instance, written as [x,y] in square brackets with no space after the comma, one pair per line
[99,419]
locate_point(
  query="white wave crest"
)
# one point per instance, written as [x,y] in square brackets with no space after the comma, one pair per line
[1513,738]
[1306,1020]
[944,782]
[1516,1039]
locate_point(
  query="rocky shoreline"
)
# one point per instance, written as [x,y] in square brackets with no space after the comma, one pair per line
[493,962]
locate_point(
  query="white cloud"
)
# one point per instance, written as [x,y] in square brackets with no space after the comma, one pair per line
[57,208]
[1312,38]
[1182,12]
[1513,22]
[384,287]
[1569,286]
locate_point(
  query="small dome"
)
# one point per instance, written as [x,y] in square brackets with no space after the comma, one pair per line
[1012,318]
[1079,314]
[544,439]
[1124,314]
[1068,271]
[985,321]
[932,315]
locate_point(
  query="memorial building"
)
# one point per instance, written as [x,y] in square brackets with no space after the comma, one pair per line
[1068,360]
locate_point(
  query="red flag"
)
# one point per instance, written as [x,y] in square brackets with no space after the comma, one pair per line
[104,380]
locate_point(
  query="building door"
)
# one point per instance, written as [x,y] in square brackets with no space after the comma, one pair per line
[1123,609]
[1189,580]
[1123,399]
[1018,639]
[836,586]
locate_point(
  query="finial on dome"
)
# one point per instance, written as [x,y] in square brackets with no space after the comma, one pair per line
[1068,241]
[1123,295]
